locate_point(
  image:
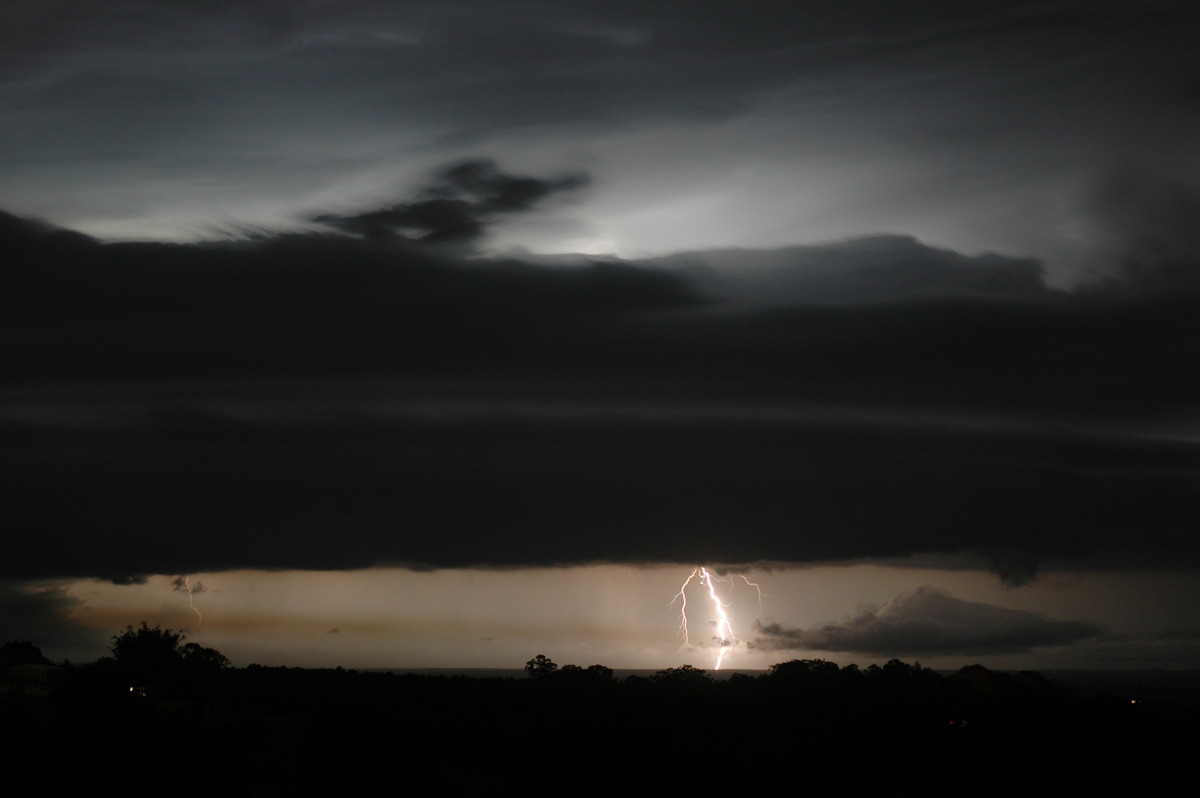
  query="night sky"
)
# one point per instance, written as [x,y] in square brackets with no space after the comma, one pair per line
[390,334]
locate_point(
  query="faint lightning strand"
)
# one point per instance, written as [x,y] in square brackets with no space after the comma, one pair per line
[757,589]
[187,584]
[184,583]
[682,596]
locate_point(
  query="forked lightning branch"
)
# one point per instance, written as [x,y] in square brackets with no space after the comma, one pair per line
[723,637]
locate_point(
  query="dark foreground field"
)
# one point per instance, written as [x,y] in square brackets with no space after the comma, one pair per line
[806,726]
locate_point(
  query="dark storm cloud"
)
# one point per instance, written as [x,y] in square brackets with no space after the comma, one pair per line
[1171,651]
[868,269]
[329,401]
[42,613]
[333,402]
[255,95]
[455,209]
[1145,224]
[258,483]
[930,622]
[182,584]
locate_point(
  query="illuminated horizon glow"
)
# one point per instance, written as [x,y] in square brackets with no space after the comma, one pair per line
[611,614]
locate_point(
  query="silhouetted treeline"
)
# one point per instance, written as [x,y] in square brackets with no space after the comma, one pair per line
[834,730]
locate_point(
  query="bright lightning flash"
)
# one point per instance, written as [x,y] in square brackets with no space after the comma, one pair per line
[724,637]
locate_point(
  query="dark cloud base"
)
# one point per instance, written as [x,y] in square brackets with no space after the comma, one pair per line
[335,402]
[197,491]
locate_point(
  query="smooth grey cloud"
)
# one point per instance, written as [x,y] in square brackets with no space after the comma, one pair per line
[926,622]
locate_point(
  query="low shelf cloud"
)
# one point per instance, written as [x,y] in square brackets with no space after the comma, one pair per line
[516,288]
[489,412]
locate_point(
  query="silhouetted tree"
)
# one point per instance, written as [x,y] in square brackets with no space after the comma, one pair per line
[21,652]
[683,676]
[153,655]
[600,672]
[592,674]
[148,650]
[804,669]
[197,657]
[541,665]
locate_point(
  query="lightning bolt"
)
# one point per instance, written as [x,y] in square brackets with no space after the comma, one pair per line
[184,583]
[754,585]
[187,583]
[681,596]
[724,637]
